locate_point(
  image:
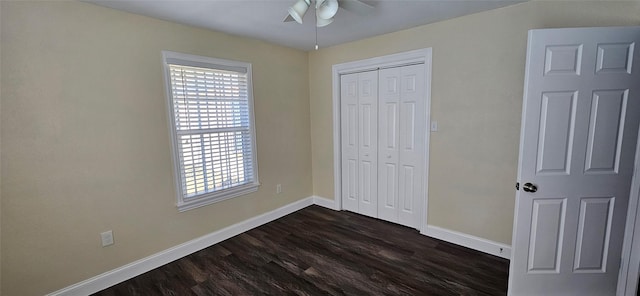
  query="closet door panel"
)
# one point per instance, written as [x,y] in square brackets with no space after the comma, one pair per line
[388,142]
[412,135]
[368,143]
[349,137]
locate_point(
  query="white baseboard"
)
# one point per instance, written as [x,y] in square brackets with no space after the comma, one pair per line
[454,237]
[133,269]
[143,265]
[469,241]
[325,202]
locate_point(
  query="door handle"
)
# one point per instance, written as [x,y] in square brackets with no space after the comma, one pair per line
[528,187]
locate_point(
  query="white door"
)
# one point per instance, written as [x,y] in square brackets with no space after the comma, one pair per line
[359,128]
[402,130]
[580,123]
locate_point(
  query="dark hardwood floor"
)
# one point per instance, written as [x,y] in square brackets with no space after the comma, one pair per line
[317,251]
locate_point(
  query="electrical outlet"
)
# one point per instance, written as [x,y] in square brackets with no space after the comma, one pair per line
[279,188]
[107,238]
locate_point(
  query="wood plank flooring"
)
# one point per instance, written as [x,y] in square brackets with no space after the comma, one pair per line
[317,251]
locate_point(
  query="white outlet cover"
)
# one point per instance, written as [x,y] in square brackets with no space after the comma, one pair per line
[107,238]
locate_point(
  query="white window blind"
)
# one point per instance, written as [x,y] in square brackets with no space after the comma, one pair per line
[212,129]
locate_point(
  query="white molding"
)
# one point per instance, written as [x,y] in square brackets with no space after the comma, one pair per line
[630,266]
[394,60]
[325,202]
[182,202]
[469,241]
[454,237]
[133,269]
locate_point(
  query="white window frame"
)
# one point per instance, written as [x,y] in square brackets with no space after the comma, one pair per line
[185,203]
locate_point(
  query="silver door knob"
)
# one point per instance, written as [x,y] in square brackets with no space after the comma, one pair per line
[528,187]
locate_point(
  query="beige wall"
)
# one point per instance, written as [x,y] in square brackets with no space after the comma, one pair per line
[85,145]
[478,72]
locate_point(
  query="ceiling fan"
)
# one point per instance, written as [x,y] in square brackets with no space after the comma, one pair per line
[325,10]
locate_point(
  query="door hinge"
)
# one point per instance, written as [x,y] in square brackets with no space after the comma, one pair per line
[517,185]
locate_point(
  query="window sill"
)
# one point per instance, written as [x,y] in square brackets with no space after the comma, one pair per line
[207,199]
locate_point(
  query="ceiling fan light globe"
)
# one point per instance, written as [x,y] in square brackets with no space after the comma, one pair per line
[323,22]
[326,9]
[298,10]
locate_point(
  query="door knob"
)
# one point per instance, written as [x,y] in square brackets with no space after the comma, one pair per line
[528,187]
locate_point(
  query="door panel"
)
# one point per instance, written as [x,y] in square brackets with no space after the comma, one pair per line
[390,194]
[408,193]
[605,130]
[359,130]
[365,181]
[352,181]
[401,144]
[408,130]
[349,134]
[412,152]
[581,113]
[368,138]
[557,117]
[563,60]
[594,231]
[389,122]
[547,225]
[615,57]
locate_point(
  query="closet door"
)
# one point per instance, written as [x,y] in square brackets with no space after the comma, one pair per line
[349,131]
[413,123]
[359,93]
[388,158]
[402,144]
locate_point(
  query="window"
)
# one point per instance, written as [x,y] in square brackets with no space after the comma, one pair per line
[210,105]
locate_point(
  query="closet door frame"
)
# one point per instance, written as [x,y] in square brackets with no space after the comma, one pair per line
[420,56]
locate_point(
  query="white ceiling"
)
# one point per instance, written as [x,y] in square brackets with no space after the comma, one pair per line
[263,19]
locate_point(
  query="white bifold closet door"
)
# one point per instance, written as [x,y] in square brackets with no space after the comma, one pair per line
[383,143]
[402,132]
[359,104]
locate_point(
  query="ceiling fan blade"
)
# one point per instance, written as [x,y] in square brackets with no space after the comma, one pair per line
[288,19]
[357,7]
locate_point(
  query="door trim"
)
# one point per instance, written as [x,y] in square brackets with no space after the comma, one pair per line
[630,269]
[420,56]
